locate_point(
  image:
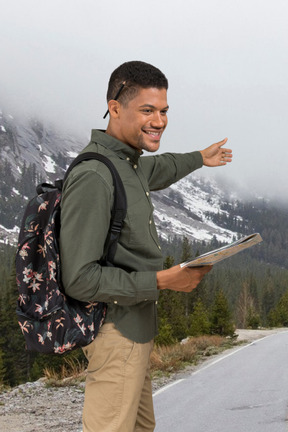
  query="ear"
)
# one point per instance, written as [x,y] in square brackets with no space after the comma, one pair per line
[114,108]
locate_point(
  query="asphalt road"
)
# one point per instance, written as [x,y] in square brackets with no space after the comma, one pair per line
[243,391]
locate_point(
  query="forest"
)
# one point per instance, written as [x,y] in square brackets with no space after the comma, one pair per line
[244,291]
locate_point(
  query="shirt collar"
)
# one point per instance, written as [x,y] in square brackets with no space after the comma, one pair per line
[124,151]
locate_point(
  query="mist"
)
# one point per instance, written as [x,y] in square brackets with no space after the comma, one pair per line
[226,63]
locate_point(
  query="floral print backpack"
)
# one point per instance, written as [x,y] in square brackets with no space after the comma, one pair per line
[52,322]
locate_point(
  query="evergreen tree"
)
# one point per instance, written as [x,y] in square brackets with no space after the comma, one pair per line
[253,287]
[199,320]
[278,316]
[15,359]
[221,317]
[171,313]
[185,256]
[2,352]
[269,297]
[2,368]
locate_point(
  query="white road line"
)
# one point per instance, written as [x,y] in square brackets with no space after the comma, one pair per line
[162,389]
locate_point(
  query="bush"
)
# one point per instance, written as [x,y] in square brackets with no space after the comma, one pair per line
[174,357]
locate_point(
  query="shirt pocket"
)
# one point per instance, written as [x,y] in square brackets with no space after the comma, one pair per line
[137,223]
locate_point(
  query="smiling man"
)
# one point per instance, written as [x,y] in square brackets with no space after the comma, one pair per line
[148,112]
[118,395]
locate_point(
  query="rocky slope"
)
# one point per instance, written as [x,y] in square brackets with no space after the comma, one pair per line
[30,141]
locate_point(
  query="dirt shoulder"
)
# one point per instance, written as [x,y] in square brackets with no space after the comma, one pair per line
[251,335]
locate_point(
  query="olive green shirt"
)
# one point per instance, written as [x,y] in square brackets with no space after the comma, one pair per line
[129,288]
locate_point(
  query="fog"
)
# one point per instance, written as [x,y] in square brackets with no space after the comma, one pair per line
[226,62]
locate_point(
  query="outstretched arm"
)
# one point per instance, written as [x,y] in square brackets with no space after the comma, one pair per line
[215,155]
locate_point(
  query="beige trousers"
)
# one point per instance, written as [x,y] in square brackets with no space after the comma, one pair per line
[118,394]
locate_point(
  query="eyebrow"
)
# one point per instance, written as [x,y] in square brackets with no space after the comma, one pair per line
[152,106]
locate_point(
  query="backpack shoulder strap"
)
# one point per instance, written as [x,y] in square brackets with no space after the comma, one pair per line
[119,206]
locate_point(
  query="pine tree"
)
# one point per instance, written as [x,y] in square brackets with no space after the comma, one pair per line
[15,358]
[268,299]
[186,255]
[278,316]
[171,313]
[2,352]
[221,317]
[2,368]
[199,320]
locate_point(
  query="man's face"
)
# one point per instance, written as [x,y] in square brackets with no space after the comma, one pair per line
[143,120]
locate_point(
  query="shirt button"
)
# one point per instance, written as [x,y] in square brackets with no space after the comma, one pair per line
[156,302]
[128,159]
[159,247]
[150,221]
[135,166]
[147,193]
[115,302]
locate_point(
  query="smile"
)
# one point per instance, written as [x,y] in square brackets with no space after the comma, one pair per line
[154,134]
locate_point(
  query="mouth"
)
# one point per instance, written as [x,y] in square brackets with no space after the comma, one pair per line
[155,135]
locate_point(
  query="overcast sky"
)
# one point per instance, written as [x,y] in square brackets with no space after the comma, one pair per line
[226,62]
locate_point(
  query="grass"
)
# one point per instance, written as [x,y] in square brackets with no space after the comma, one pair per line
[164,360]
[170,359]
[72,372]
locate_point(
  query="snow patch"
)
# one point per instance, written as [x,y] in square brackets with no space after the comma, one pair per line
[72,154]
[49,164]
[13,230]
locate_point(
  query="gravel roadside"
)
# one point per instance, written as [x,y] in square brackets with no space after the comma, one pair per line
[33,407]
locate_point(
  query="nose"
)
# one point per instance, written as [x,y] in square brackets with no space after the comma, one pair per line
[159,120]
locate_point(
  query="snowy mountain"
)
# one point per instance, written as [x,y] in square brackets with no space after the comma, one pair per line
[30,141]
[31,152]
[187,208]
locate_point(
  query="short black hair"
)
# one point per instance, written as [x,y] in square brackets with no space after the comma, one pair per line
[135,75]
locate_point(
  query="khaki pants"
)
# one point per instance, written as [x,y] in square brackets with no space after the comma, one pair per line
[118,394]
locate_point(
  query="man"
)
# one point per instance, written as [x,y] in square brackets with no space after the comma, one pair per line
[118,393]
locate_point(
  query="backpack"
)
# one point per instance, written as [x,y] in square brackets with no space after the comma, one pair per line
[52,322]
